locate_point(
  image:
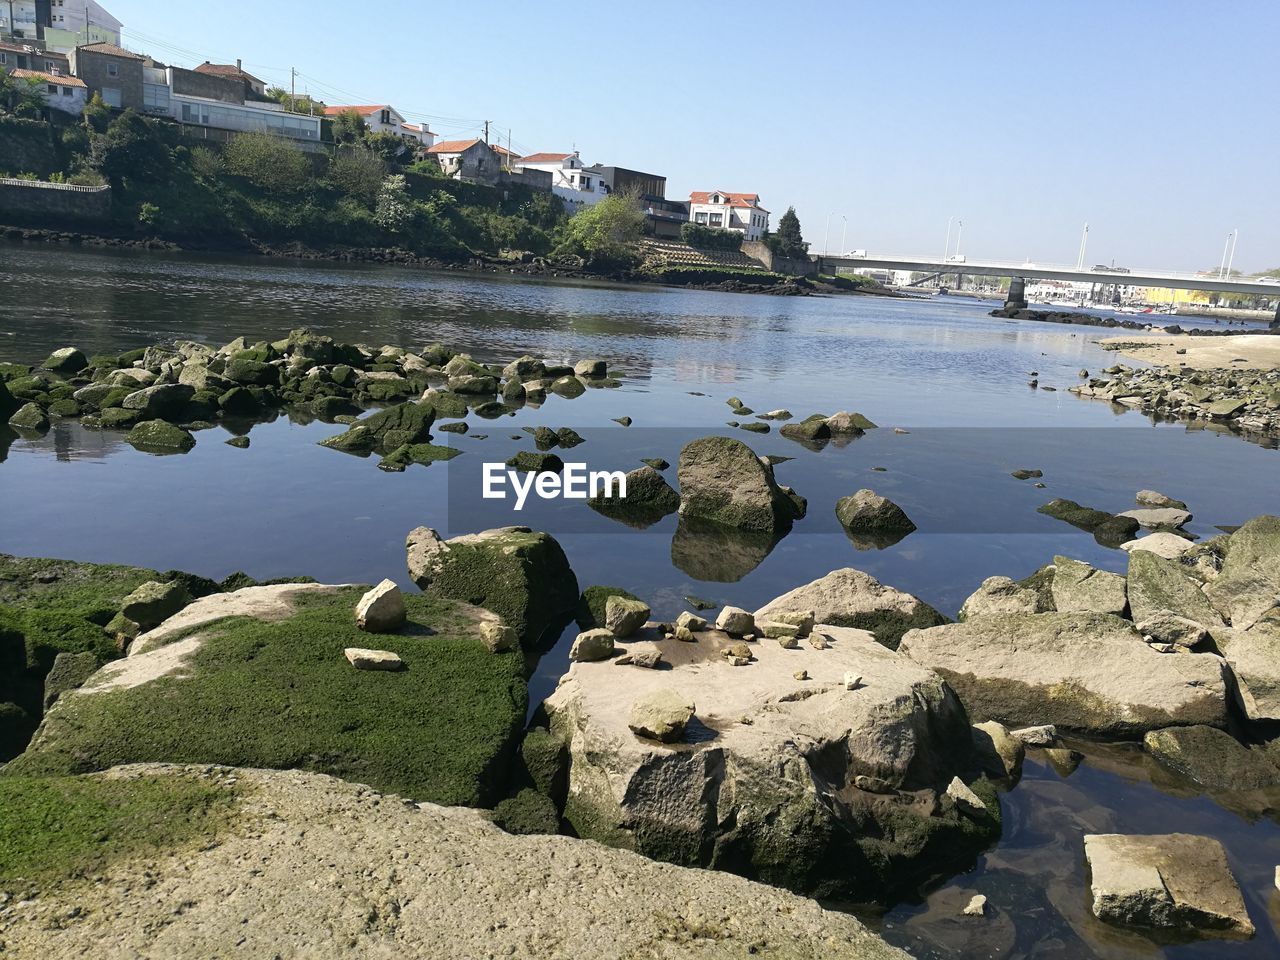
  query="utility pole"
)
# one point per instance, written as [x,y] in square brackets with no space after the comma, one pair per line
[844,235]
[486,133]
[509,153]
[293,88]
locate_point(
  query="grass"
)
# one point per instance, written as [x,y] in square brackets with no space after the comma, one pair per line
[63,827]
[282,696]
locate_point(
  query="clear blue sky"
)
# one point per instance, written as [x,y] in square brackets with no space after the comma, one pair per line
[1153,120]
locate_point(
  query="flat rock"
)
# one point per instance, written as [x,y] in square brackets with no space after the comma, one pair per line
[1212,758]
[1170,546]
[1153,498]
[467,890]
[1156,584]
[851,598]
[1002,595]
[364,659]
[1159,517]
[1080,588]
[1173,881]
[382,609]
[1082,671]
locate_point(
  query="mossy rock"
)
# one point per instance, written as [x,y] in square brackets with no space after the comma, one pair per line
[30,416]
[444,729]
[66,361]
[239,402]
[420,453]
[568,387]
[528,812]
[546,763]
[446,403]
[359,440]
[327,408]
[118,418]
[592,603]
[114,398]
[70,671]
[157,436]
[13,371]
[64,409]
[8,402]
[527,461]
[388,391]
[16,727]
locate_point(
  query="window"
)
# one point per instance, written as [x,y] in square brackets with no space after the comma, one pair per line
[386,116]
[586,183]
[53,88]
[4,57]
[700,218]
[111,97]
[66,91]
[717,220]
[113,69]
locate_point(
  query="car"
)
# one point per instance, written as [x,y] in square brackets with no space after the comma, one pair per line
[857,254]
[1266,279]
[956,258]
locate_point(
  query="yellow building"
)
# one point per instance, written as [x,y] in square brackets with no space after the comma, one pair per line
[1162,295]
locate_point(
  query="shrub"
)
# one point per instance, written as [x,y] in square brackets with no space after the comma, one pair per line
[358,172]
[395,210]
[206,163]
[605,235]
[710,238]
[266,161]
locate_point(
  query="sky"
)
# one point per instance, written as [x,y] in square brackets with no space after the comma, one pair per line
[1154,121]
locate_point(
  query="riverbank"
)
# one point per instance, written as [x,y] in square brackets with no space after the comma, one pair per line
[1201,352]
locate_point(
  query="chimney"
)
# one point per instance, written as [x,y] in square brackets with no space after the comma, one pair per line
[238,66]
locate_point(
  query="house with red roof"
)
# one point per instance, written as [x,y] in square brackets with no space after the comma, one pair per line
[726,210]
[573,184]
[67,94]
[378,117]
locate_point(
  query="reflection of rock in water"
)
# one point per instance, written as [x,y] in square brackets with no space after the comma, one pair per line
[709,551]
[876,541]
[638,518]
[7,436]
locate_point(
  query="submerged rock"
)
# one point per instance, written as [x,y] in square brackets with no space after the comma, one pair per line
[1083,671]
[1107,528]
[1172,881]
[868,515]
[851,598]
[722,480]
[158,436]
[1212,758]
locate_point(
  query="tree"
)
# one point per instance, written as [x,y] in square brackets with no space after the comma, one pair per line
[787,241]
[395,209]
[267,161]
[298,102]
[358,172]
[348,127]
[606,234]
[21,96]
[131,149]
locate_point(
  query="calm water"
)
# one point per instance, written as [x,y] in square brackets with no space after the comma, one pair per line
[954,378]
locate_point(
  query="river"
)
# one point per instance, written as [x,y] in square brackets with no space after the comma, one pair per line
[954,379]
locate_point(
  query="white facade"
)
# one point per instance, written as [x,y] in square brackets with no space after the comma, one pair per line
[18,19]
[574,185]
[60,93]
[76,22]
[418,132]
[379,118]
[243,118]
[730,211]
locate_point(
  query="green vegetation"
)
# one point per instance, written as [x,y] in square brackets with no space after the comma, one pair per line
[787,240]
[594,601]
[283,696]
[710,238]
[67,827]
[21,96]
[605,236]
[685,274]
[850,281]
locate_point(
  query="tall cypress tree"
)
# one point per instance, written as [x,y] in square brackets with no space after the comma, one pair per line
[788,241]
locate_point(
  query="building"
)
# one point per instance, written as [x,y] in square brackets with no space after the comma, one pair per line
[60,93]
[234,71]
[467,159]
[59,25]
[730,211]
[644,185]
[570,181]
[379,118]
[18,56]
[112,72]
[419,132]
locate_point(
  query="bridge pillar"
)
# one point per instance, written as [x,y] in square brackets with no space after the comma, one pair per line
[1275,324]
[1017,299]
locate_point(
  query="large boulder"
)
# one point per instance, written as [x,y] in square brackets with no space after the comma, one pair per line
[1156,584]
[851,598]
[1249,583]
[398,879]
[1176,881]
[387,430]
[1002,595]
[259,678]
[66,361]
[1080,588]
[521,575]
[161,437]
[788,772]
[1254,656]
[872,521]
[165,401]
[1212,758]
[649,498]
[722,480]
[1083,671]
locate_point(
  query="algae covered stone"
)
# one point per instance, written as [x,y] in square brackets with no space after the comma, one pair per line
[722,480]
[159,436]
[30,416]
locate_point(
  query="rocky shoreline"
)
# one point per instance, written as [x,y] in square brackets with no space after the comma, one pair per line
[1091,320]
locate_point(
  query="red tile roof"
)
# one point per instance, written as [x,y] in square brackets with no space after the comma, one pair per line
[454,146]
[546,158]
[732,199]
[502,151]
[110,50]
[227,70]
[364,111]
[48,78]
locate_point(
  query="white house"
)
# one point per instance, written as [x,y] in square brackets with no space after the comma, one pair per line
[379,118]
[730,211]
[418,132]
[67,94]
[63,25]
[569,180]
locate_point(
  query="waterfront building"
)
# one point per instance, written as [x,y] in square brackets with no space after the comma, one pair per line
[730,211]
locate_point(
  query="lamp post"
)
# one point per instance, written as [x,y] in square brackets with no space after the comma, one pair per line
[959,234]
[844,235]
[1222,267]
[946,247]
[1084,240]
[826,236]
[1235,235]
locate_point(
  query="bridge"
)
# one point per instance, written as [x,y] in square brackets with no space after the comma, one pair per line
[1021,271]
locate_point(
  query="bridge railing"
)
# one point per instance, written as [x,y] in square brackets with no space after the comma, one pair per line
[956,266]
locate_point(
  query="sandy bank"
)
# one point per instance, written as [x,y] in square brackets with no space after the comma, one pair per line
[1203,353]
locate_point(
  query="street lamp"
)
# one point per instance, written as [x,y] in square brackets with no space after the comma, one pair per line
[844,235]
[1084,240]
[946,247]
[826,236]
[1235,235]
[959,234]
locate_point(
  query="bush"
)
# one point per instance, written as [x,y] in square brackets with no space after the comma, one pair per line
[273,163]
[605,235]
[206,163]
[358,173]
[132,149]
[710,238]
[395,210]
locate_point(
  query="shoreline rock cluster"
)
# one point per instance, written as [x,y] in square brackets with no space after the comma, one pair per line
[1075,318]
[1246,401]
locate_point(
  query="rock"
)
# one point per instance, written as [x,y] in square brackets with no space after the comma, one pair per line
[1151,498]
[66,361]
[567,387]
[153,603]
[8,403]
[1212,758]
[252,372]
[521,575]
[851,598]
[497,637]
[1027,474]
[765,781]
[524,368]
[1165,627]
[363,659]
[528,461]
[1254,656]
[1170,546]
[848,423]
[591,368]
[1172,881]
[1079,588]
[690,621]
[1249,585]
[977,906]
[999,753]
[69,672]
[1106,528]
[661,715]
[29,417]
[624,616]
[852,681]
[165,401]
[592,645]
[775,630]
[649,498]
[646,655]
[722,480]
[1083,671]
[1157,585]
[1044,735]
[965,798]
[800,675]
[735,621]
[382,609]
[866,512]
[539,892]
[594,602]
[159,436]
[1166,518]
[810,430]
[1002,595]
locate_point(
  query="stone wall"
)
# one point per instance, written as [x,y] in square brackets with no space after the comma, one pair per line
[23,201]
[795,267]
[27,146]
